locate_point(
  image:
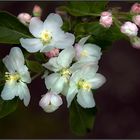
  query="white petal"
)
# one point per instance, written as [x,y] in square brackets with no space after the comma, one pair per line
[83,40]
[81,65]
[85,73]
[66,56]
[52,65]
[53,20]
[9,91]
[31,45]
[66,41]
[97,81]
[85,99]
[71,94]
[55,82]
[36,26]
[93,50]
[23,93]
[56,100]
[14,60]
[25,75]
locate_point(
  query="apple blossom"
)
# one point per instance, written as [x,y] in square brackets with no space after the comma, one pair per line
[25,18]
[87,52]
[47,35]
[37,11]
[129,28]
[135,8]
[61,66]
[50,102]
[136,20]
[81,83]
[54,52]
[17,77]
[106,19]
[135,41]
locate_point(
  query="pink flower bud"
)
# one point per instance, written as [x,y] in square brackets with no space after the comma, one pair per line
[135,8]
[135,41]
[24,18]
[37,11]
[106,19]
[136,20]
[129,28]
[52,53]
[50,102]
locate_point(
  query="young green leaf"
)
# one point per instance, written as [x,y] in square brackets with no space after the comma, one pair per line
[34,66]
[84,8]
[11,29]
[81,120]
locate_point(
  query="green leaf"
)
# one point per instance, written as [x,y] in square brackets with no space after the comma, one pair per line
[40,57]
[7,107]
[84,8]
[34,66]
[11,29]
[81,120]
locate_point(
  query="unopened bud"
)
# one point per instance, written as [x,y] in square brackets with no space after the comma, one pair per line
[136,20]
[52,53]
[24,18]
[37,11]
[129,28]
[106,19]
[50,102]
[135,41]
[135,8]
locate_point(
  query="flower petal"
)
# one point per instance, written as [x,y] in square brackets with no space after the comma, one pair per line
[71,94]
[66,56]
[66,41]
[83,40]
[52,65]
[9,91]
[31,45]
[36,26]
[97,81]
[55,82]
[53,20]
[85,99]
[23,93]
[93,50]
[14,60]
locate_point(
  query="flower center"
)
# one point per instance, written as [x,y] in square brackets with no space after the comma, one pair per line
[65,72]
[12,77]
[46,37]
[84,53]
[82,84]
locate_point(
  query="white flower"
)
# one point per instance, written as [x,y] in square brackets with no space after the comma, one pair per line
[81,83]
[50,102]
[129,28]
[61,66]
[87,52]
[47,35]
[16,77]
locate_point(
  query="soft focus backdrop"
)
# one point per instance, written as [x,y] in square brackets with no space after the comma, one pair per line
[118,100]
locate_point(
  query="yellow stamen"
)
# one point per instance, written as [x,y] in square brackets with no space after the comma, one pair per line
[65,72]
[12,77]
[82,84]
[46,37]
[84,53]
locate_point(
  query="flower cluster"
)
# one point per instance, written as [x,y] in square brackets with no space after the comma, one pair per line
[70,71]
